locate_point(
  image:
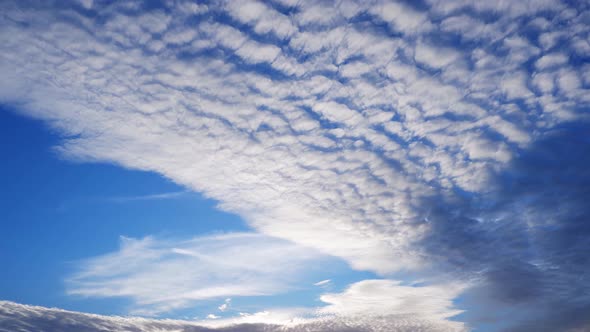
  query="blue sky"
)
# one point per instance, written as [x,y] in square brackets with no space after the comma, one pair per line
[306,165]
[67,211]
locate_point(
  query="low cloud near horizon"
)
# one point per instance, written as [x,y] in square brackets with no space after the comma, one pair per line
[369,305]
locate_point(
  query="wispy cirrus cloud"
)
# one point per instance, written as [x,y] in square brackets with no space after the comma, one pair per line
[323,282]
[161,275]
[149,197]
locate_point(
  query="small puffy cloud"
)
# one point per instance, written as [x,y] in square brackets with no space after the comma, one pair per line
[568,81]
[435,57]
[179,37]
[551,60]
[516,86]
[402,17]
[545,82]
[263,18]
[337,112]
[480,148]
[225,305]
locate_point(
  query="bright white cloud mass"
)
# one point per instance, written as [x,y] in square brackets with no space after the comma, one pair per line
[445,141]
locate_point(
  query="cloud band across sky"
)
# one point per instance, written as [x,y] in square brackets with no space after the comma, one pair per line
[445,140]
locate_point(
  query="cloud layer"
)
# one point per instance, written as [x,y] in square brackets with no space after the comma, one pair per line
[397,137]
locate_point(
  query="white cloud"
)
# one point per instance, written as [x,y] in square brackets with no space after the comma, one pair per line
[225,305]
[509,9]
[374,298]
[316,13]
[338,113]
[179,37]
[149,197]
[520,49]
[162,275]
[544,82]
[568,81]
[551,60]
[402,17]
[436,57]
[471,28]
[515,86]
[369,305]
[197,123]
[323,282]
[549,39]
[479,148]
[261,17]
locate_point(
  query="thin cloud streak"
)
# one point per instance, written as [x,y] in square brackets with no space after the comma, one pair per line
[323,282]
[150,197]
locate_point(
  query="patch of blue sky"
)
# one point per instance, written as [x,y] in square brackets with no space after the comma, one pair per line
[55,212]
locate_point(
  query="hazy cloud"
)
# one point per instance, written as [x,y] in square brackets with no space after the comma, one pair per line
[161,275]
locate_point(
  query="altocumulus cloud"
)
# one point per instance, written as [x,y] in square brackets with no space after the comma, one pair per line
[433,139]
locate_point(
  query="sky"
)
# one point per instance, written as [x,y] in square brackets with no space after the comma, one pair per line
[295,165]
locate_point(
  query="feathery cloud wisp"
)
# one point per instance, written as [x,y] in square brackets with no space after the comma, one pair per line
[163,274]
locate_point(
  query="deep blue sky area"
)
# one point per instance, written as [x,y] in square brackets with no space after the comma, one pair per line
[55,212]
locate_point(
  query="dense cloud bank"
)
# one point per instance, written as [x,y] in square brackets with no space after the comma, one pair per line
[446,139]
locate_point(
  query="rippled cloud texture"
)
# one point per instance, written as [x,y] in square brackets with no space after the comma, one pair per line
[442,139]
